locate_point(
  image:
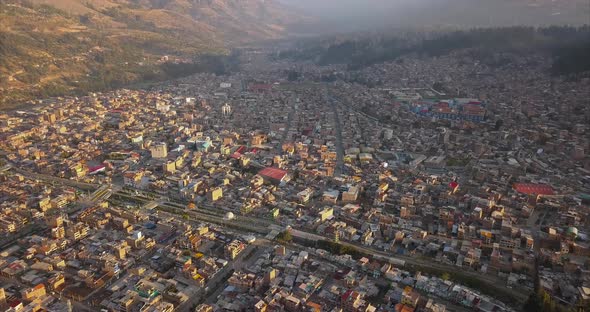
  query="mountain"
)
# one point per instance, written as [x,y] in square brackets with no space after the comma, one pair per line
[55,47]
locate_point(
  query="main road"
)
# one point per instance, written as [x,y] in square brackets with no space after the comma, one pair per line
[259,225]
[338,129]
[290,115]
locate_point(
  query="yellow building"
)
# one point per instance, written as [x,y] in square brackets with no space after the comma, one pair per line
[56,282]
[55,221]
[2,298]
[326,213]
[34,293]
[215,194]
[170,167]
[58,232]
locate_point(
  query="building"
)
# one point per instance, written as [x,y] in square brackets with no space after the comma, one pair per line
[77,231]
[2,298]
[133,178]
[57,282]
[233,249]
[34,293]
[533,189]
[159,150]
[351,301]
[215,194]
[304,196]
[326,213]
[204,308]
[273,175]
[169,167]
[226,109]
[410,297]
[351,194]
[260,306]
[55,221]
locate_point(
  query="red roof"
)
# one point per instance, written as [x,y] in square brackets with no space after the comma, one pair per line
[236,155]
[241,149]
[346,295]
[93,169]
[273,173]
[536,189]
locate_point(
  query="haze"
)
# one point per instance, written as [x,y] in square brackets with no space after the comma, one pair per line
[350,15]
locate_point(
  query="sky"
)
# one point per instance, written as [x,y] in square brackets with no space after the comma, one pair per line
[365,14]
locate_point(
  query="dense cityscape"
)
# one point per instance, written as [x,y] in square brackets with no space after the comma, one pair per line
[452,186]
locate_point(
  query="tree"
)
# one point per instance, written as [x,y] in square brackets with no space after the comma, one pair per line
[532,304]
[438,86]
[446,276]
[542,302]
[285,237]
[499,123]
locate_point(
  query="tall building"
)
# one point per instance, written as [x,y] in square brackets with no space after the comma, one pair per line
[2,298]
[226,109]
[159,150]
[55,221]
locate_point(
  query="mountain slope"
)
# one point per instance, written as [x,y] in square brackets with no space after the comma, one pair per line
[54,47]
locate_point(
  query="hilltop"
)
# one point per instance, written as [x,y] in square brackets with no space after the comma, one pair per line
[55,47]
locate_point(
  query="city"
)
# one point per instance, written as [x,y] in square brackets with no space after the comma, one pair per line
[222,193]
[294,155]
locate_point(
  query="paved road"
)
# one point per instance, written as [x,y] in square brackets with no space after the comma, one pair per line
[216,285]
[263,226]
[57,180]
[353,109]
[338,128]
[402,260]
[290,115]
[209,214]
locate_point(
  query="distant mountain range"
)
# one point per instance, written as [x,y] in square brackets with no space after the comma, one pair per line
[53,47]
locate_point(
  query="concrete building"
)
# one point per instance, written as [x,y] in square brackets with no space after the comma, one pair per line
[160,150]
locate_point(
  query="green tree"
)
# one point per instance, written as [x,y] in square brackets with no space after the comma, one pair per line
[532,304]
[285,237]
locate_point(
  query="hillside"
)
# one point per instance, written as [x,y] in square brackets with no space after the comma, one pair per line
[55,47]
[567,47]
